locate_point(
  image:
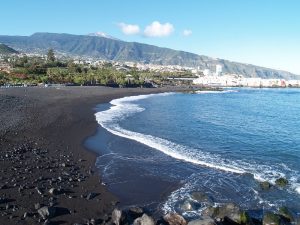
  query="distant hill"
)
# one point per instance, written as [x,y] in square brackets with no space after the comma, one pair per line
[111,49]
[4,50]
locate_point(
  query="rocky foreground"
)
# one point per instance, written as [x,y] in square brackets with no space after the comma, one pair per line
[227,214]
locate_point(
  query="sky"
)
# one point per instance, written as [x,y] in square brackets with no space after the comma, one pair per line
[260,32]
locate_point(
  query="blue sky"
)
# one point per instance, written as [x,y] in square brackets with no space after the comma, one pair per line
[261,32]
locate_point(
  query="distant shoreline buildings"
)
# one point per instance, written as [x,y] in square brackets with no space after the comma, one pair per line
[234,80]
[191,75]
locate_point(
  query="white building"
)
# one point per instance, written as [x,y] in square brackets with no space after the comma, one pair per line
[219,70]
[293,83]
[206,72]
[251,82]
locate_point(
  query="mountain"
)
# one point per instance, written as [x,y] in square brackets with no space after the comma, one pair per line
[102,34]
[4,50]
[110,49]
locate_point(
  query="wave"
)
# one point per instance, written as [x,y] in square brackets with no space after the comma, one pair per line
[125,107]
[216,92]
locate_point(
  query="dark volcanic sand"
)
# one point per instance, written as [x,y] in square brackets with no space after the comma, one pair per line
[41,136]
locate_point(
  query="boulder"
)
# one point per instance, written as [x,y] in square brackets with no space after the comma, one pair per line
[135,212]
[203,221]
[285,213]
[116,216]
[245,218]
[265,185]
[281,182]
[229,211]
[174,219]
[144,220]
[47,212]
[271,219]
[202,198]
[186,206]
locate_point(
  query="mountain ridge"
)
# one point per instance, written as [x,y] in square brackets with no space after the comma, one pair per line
[4,50]
[119,50]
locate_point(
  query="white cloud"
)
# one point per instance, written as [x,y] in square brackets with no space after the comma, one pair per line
[187,33]
[129,29]
[156,29]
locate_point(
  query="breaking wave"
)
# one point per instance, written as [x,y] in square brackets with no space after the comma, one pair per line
[125,107]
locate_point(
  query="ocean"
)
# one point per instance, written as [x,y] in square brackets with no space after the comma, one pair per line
[222,144]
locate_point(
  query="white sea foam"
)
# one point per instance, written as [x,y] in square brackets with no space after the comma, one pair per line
[297,189]
[216,92]
[125,107]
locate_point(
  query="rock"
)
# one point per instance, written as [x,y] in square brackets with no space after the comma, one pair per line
[91,195]
[144,220]
[245,218]
[47,212]
[116,216]
[92,221]
[284,212]
[271,219]
[186,206]
[265,185]
[2,200]
[53,191]
[15,208]
[204,221]
[38,191]
[174,219]
[202,198]
[26,214]
[230,211]
[37,206]
[4,186]
[135,212]
[281,182]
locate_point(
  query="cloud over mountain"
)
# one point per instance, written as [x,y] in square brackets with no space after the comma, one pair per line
[129,29]
[157,29]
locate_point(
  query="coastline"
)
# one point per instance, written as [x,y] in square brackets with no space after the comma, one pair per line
[128,134]
[56,120]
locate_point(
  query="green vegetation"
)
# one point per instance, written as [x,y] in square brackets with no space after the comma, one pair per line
[51,56]
[4,49]
[49,70]
[117,50]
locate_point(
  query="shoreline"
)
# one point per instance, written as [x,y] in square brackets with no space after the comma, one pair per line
[55,121]
[44,162]
[259,182]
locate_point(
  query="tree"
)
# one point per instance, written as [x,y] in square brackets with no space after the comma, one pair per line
[50,55]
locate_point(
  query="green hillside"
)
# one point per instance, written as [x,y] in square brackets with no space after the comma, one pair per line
[4,49]
[111,49]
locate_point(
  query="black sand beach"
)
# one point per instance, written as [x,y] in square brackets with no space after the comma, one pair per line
[42,159]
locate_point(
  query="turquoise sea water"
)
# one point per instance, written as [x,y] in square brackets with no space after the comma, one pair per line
[220,143]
